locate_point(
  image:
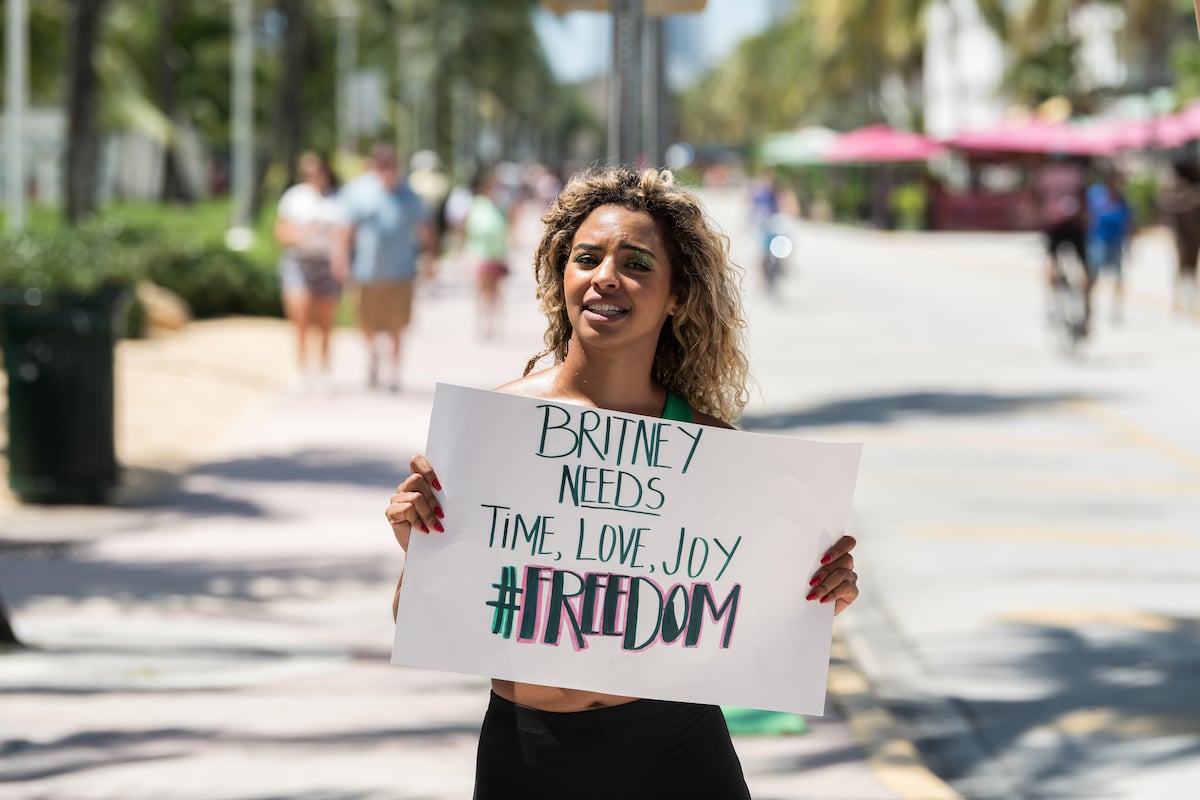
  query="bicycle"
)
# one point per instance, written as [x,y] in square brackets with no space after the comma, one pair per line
[777,248]
[1069,307]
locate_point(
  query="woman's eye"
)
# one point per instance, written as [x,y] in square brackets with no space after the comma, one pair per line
[583,258]
[638,263]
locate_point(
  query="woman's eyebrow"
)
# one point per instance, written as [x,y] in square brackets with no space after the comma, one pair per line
[623,246]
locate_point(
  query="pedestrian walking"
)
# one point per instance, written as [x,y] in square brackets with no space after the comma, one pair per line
[1179,201]
[429,181]
[644,316]
[1110,223]
[485,241]
[307,218]
[384,235]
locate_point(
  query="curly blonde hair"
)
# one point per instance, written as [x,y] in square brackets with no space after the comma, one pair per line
[701,349]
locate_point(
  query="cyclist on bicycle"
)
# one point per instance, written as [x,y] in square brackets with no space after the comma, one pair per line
[1060,189]
[764,219]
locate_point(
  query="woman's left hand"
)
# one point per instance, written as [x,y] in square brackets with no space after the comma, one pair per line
[836,581]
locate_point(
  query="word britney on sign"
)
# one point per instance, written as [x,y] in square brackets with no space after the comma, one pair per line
[619,441]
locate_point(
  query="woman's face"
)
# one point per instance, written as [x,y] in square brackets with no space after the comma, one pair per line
[313,171]
[617,279]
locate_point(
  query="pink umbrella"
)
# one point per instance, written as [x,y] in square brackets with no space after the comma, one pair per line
[880,143]
[1175,130]
[1036,136]
[1129,134]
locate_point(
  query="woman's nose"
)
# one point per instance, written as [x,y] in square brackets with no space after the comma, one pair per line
[605,274]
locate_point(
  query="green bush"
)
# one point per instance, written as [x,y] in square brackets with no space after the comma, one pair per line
[908,206]
[1140,194]
[851,200]
[214,280]
[79,261]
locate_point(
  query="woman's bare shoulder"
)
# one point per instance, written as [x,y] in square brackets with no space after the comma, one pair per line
[538,384]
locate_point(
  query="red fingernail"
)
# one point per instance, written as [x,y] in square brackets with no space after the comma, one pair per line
[825,559]
[438,510]
[811,595]
[825,599]
[437,526]
[816,579]
[437,484]
[424,529]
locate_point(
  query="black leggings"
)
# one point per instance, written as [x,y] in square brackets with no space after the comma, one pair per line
[644,750]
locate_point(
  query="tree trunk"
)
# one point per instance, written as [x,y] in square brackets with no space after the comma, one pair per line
[289,132]
[173,189]
[83,141]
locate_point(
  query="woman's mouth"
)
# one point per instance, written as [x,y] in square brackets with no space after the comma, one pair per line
[605,311]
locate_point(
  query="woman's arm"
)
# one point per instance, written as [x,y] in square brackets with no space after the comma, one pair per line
[289,233]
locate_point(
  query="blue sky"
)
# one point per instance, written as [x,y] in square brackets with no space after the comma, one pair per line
[579,44]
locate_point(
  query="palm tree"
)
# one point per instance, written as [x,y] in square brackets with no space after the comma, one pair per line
[173,186]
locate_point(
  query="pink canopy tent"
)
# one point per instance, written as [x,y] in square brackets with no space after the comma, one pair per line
[1177,129]
[1036,136]
[1130,134]
[1168,130]
[876,144]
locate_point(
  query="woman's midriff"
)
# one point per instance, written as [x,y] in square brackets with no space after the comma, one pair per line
[551,698]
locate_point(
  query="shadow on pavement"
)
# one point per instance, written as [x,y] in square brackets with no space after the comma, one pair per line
[104,748]
[310,466]
[883,409]
[1098,695]
[250,580]
[156,489]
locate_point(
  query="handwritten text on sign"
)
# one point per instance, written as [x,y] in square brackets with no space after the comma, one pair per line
[671,557]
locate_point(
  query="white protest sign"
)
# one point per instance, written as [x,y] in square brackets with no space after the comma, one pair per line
[624,554]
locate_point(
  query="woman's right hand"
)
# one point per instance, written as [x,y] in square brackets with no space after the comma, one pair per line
[414,503]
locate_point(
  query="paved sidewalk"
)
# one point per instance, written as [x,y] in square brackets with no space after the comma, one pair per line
[226,634]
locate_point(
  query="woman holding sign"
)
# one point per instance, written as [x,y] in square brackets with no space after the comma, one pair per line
[645,317]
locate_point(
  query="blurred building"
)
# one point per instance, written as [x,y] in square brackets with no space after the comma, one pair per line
[44,137]
[965,62]
[131,165]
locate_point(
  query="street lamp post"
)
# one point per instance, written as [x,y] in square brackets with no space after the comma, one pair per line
[241,235]
[624,117]
[625,110]
[16,67]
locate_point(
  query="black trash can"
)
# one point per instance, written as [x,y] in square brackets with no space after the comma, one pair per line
[58,352]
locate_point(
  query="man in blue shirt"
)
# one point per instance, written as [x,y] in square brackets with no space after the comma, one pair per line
[1109,226]
[378,246]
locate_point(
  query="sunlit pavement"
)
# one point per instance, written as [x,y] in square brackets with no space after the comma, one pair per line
[1029,556]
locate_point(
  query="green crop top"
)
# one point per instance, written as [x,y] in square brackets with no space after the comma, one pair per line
[677,408]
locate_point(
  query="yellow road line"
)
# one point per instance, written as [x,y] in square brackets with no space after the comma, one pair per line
[894,760]
[1078,617]
[1135,433]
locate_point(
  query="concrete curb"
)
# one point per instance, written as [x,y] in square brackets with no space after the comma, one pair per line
[892,757]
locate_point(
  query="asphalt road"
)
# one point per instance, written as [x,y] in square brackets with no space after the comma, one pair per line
[1030,553]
